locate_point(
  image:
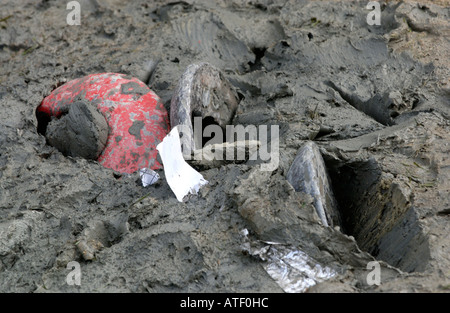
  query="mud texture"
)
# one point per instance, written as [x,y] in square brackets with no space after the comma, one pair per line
[309,175]
[375,99]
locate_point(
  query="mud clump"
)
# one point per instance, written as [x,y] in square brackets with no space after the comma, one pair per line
[373,98]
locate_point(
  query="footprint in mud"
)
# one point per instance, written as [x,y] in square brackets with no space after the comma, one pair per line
[83,131]
[101,234]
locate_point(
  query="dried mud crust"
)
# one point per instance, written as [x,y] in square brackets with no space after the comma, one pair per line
[305,66]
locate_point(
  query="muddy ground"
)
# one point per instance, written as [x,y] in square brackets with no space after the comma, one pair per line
[374,98]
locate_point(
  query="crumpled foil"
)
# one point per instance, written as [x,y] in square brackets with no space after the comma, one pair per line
[292,269]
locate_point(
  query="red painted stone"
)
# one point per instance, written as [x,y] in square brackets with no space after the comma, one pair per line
[136,117]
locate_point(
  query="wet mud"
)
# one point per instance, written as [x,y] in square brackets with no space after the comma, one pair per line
[375,100]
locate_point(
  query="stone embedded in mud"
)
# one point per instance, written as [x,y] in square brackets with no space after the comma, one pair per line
[181,177]
[308,174]
[202,91]
[389,186]
[148,176]
[136,118]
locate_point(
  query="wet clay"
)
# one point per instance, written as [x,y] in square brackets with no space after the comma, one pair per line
[82,132]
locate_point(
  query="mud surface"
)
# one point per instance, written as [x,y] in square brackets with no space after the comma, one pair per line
[374,98]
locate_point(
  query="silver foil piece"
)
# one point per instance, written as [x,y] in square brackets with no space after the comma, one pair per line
[292,269]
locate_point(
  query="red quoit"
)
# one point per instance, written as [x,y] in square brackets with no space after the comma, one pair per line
[137,119]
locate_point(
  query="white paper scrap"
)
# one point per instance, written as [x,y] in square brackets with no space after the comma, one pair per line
[181,177]
[148,176]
